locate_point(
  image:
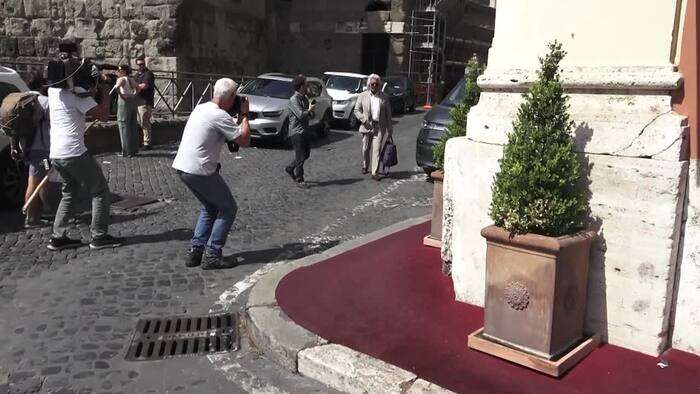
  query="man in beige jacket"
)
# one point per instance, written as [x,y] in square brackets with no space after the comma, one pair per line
[373,110]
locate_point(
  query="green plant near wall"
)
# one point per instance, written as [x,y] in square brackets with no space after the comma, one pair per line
[539,189]
[458,114]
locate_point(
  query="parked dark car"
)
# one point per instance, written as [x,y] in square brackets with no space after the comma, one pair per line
[13,175]
[401,93]
[434,125]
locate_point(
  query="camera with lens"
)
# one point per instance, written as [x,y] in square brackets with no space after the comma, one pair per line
[235,109]
[71,72]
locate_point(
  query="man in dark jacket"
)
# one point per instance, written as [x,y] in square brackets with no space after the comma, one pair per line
[299,114]
[146,83]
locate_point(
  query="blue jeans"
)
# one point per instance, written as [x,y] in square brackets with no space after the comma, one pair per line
[218,210]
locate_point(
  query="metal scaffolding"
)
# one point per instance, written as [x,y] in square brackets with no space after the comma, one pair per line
[426,59]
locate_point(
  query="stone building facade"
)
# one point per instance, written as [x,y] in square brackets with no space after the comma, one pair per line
[236,37]
[176,35]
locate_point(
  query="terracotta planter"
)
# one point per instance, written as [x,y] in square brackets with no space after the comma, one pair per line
[435,237]
[536,290]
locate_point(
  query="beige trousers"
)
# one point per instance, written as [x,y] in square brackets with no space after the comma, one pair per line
[145,112]
[372,144]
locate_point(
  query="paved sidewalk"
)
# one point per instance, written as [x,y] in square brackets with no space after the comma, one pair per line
[387,300]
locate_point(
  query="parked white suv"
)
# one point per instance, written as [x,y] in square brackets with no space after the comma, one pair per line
[269,96]
[344,88]
[13,175]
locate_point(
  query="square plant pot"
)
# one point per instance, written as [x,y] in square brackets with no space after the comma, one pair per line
[536,290]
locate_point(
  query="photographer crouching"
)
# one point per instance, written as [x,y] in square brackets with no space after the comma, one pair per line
[74,86]
[208,129]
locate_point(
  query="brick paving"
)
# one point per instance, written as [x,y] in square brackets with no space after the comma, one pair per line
[68,316]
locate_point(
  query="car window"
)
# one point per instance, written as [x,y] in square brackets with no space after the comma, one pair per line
[455,96]
[269,88]
[394,85]
[314,89]
[340,82]
[6,88]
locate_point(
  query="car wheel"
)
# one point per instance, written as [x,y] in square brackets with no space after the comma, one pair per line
[13,181]
[326,124]
[353,123]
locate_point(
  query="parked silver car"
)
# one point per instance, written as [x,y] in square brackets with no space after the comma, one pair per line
[13,175]
[344,88]
[269,95]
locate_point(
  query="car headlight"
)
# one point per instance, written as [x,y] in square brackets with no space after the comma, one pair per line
[431,125]
[272,114]
[341,102]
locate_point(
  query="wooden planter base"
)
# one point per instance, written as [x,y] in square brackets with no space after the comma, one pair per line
[428,240]
[556,367]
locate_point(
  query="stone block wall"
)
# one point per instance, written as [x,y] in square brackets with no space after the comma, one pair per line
[189,35]
[113,31]
[315,36]
[226,37]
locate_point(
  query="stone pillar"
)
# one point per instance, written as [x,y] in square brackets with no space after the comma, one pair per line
[686,335]
[619,78]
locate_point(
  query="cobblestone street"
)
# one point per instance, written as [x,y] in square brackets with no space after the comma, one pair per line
[67,317]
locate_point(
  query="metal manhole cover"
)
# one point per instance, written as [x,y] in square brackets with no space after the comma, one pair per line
[158,339]
[131,202]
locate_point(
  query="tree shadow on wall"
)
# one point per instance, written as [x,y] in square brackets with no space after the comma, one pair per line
[596,320]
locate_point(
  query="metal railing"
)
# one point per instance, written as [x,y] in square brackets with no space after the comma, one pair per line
[176,92]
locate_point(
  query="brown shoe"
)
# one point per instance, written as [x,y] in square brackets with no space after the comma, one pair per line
[376,178]
[365,171]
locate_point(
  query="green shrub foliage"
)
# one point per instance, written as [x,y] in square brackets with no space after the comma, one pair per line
[538,189]
[458,114]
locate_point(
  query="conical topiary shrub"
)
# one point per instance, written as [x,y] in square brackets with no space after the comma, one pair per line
[458,114]
[538,189]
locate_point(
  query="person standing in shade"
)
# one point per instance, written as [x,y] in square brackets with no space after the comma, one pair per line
[146,92]
[299,114]
[373,110]
[126,111]
[37,154]
[208,129]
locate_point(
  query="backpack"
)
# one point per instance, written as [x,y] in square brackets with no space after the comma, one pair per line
[18,115]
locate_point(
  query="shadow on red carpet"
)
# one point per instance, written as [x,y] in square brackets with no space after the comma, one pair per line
[389,299]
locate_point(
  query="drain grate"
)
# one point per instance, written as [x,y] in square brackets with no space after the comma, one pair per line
[158,339]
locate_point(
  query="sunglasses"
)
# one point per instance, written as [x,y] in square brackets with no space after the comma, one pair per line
[140,64]
[374,84]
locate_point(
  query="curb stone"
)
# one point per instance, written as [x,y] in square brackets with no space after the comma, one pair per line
[304,352]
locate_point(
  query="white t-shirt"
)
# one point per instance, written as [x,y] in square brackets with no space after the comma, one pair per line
[206,131]
[375,106]
[126,87]
[67,112]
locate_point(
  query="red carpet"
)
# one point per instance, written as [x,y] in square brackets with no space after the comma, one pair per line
[389,300]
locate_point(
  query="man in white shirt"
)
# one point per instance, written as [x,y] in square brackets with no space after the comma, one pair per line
[78,169]
[373,110]
[208,129]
